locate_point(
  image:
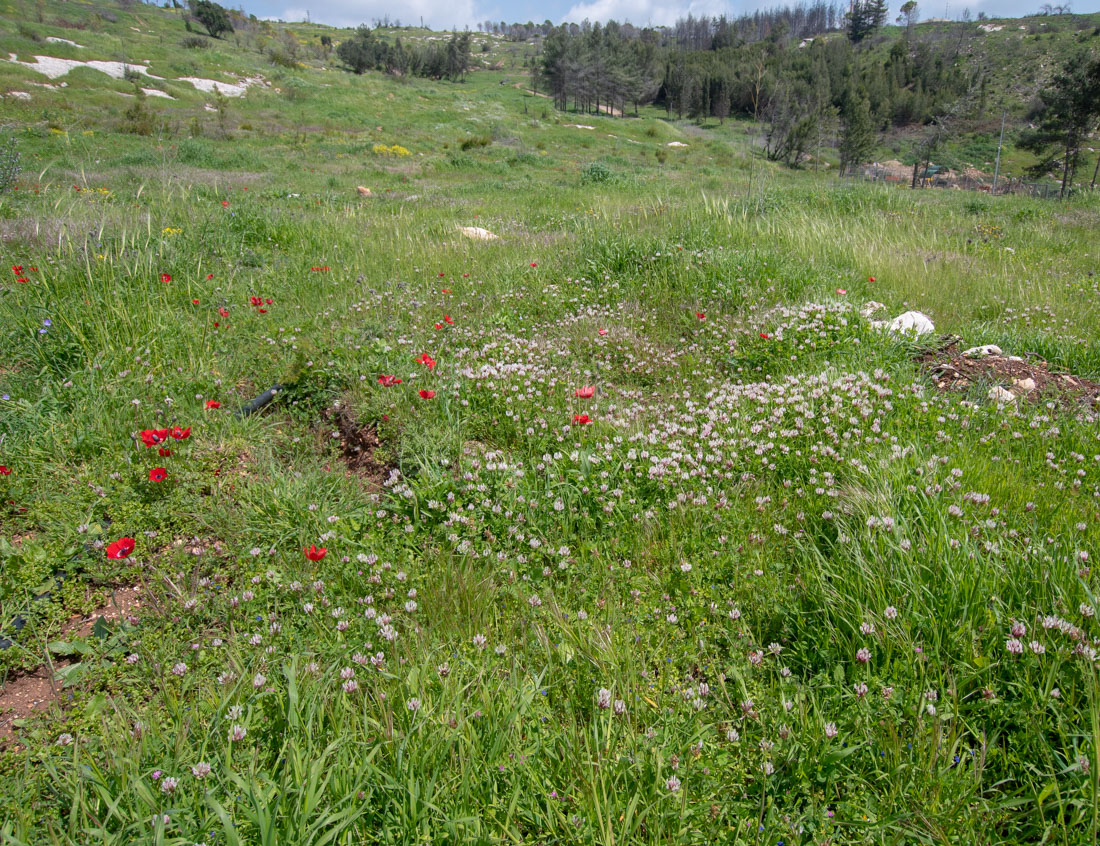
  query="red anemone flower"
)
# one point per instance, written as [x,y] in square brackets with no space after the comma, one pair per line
[120,548]
[163,453]
[425,394]
[534,264]
[209,276]
[223,311]
[179,433]
[702,315]
[841,291]
[441,274]
[315,554]
[427,360]
[152,437]
[870,278]
[388,381]
[225,204]
[587,392]
[166,277]
[158,474]
[581,419]
[5,470]
[212,404]
[17,269]
[765,336]
[602,332]
[438,326]
[194,302]
[448,320]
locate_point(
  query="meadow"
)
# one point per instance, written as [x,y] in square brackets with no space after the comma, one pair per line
[623,526]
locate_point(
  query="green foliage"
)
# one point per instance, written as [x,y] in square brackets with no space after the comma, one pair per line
[212,16]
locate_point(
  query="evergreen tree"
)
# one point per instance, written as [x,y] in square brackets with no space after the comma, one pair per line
[358,52]
[212,16]
[1071,111]
[857,137]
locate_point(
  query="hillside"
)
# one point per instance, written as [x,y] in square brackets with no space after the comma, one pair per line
[395,459]
[298,85]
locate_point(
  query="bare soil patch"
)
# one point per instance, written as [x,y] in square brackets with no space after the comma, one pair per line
[24,695]
[358,446]
[954,371]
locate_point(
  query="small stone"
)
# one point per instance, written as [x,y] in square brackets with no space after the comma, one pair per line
[999,394]
[1025,385]
[364,191]
[982,351]
[870,307]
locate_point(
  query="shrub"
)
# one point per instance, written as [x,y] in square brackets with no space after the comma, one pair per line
[138,119]
[475,141]
[396,151]
[596,173]
[29,33]
[195,42]
[212,16]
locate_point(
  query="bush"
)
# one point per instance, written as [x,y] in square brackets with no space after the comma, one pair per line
[212,16]
[195,42]
[475,141]
[29,33]
[138,119]
[596,173]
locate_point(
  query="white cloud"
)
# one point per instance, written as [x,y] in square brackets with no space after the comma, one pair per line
[438,14]
[643,12]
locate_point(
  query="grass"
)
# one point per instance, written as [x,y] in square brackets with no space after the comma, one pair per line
[647,628]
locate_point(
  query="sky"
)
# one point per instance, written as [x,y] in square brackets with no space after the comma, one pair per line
[448,14]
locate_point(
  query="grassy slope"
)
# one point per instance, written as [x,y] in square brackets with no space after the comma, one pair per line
[506,519]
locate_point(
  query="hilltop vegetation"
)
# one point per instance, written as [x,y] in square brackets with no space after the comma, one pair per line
[391,458]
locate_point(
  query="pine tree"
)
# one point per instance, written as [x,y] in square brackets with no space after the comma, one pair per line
[857,139]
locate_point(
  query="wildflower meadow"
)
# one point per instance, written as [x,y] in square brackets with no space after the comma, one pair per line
[358,486]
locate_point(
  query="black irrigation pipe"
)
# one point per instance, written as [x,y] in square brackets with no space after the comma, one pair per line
[264,399]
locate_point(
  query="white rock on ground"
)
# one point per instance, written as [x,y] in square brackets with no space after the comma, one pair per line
[982,351]
[676,144]
[1026,385]
[999,394]
[871,307]
[53,68]
[477,233]
[53,39]
[18,95]
[155,92]
[912,323]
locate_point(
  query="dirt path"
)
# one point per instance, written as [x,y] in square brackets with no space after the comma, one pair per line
[607,110]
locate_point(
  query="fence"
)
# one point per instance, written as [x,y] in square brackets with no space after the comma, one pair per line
[1044,190]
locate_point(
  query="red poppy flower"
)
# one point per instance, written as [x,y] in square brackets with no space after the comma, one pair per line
[587,392]
[702,315]
[209,276]
[152,437]
[424,394]
[158,474]
[581,419]
[448,320]
[34,269]
[17,269]
[870,278]
[438,326]
[166,277]
[225,204]
[427,360]
[465,275]
[445,290]
[534,264]
[315,554]
[223,311]
[216,324]
[765,335]
[120,548]
[4,470]
[602,332]
[194,302]
[441,274]
[262,310]
[269,301]
[213,404]
[388,381]
[179,433]
[256,301]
